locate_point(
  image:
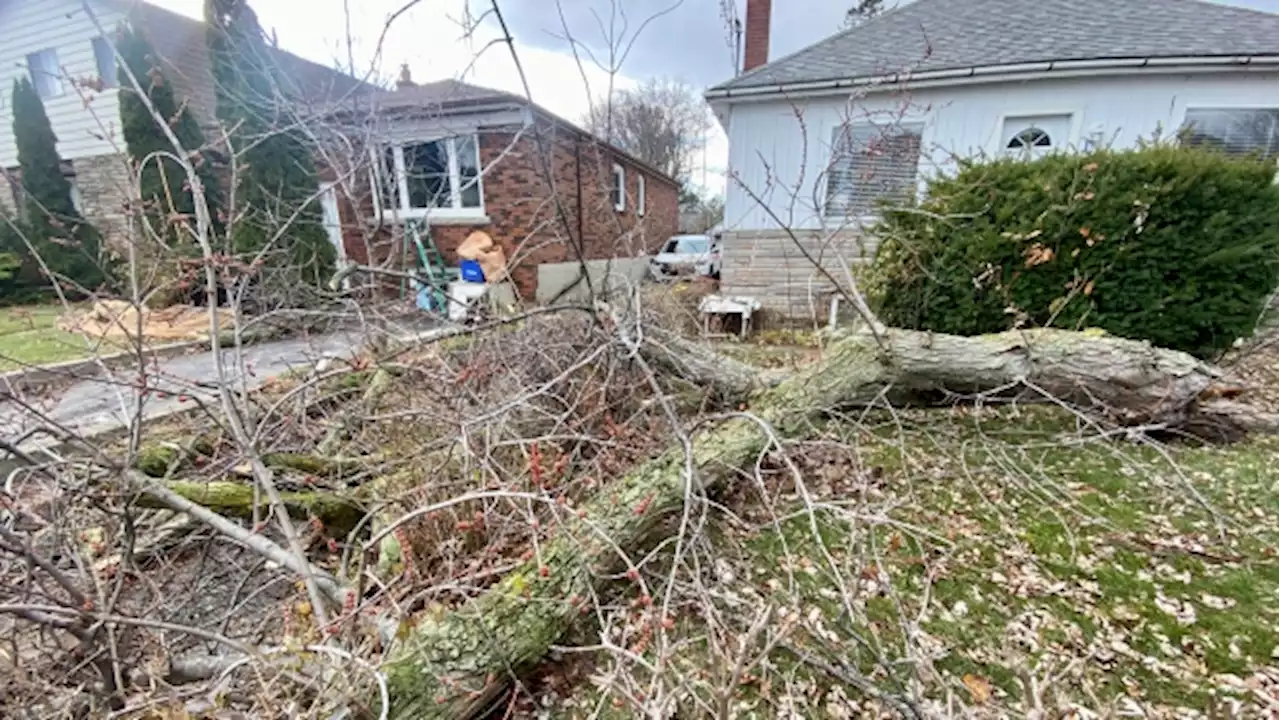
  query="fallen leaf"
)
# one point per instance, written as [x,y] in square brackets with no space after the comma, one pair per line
[979,687]
[1037,254]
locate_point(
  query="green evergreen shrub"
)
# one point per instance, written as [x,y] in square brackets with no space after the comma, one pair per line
[1173,245]
[276,174]
[167,202]
[69,246]
[164,189]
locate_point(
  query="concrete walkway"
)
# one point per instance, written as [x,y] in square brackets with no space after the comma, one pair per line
[91,407]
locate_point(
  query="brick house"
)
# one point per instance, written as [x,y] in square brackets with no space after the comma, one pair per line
[461,158]
[456,156]
[65,52]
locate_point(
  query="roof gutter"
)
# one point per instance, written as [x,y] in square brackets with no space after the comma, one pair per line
[993,73]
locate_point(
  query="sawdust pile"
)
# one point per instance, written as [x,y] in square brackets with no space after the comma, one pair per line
[119,319]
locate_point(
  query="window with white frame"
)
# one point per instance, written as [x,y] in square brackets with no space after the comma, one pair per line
[1035,135]
[106,62]
[433,177]
[1235,131]
[639,195]
[46,75]
[871,163]
[618,193]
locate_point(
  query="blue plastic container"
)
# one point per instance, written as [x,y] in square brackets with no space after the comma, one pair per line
[471,271]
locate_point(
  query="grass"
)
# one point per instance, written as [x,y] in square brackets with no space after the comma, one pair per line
[1096,561]
[29,336]
[997,560]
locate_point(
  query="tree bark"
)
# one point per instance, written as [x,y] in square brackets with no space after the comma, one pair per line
[165,459]
[453,666]
[338,512]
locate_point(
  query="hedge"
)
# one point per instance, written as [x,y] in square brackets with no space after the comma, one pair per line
[1177,246]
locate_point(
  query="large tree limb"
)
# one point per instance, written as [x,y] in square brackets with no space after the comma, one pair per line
[148,488]
[338,512]
[453,666]
[1122,381]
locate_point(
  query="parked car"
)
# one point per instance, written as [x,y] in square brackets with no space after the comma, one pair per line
[685,255]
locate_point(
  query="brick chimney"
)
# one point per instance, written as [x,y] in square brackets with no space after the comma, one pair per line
[756,50]
[405,81]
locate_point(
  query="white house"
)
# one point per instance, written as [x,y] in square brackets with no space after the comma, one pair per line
[818,136]
[64,49]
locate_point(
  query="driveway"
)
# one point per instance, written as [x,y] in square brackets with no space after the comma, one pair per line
[106,403]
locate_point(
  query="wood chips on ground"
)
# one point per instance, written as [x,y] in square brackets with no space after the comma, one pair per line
[120,319]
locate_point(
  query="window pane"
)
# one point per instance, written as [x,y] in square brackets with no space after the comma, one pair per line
[387,174]
[616,192]
[45,74]
[694,245]
[1234,131]
[426,166]
[106,61]
[468,170]
[871,163]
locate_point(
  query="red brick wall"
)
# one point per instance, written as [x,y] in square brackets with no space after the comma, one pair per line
[522,208]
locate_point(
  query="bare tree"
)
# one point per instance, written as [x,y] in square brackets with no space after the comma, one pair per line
[409,531]
[862,11]
[662,121]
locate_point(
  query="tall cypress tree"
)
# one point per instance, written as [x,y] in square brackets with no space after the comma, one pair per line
[276,175]
[67,244]
[164,188]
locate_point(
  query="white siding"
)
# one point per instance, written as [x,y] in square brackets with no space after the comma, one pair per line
[779,150]
[86,122]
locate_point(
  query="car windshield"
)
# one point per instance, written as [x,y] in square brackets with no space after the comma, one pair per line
[688,245]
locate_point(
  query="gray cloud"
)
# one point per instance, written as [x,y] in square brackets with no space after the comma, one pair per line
[684,38]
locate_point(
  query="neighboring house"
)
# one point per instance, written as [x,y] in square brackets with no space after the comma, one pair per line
[818,137]
[458,158]
[66,54]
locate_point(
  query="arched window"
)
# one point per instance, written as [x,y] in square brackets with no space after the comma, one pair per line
[1033,138]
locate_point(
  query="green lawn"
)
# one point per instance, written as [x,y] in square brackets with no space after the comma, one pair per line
[29,336]
[1000,562]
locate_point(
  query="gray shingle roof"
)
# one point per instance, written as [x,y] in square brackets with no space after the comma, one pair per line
[929,35]
[442,93]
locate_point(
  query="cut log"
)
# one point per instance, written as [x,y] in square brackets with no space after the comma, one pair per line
[162,459]
[455,665]
[333,468]
[165,459]
[338,512]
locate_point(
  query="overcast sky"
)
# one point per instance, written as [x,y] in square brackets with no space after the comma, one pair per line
[686,39]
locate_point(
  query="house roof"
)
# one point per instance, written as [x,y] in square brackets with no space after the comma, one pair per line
[175,37]
[936,35]
[446,96]
[440,94]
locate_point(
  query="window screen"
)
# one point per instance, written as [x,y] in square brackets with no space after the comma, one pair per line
[870,163]
[1236,131]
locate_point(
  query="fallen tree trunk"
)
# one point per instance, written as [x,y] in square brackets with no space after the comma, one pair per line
[454,666]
